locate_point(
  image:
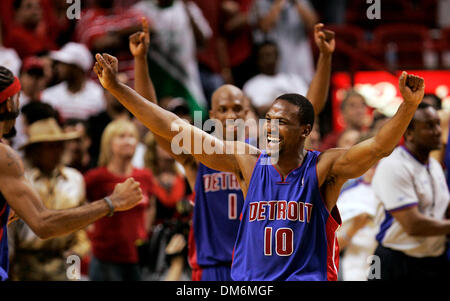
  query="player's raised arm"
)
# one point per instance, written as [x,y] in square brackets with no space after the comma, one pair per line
[221,155]
[139,43]
[358,159]
[318,89]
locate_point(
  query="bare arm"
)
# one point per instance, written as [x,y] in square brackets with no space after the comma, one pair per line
[46,223]
[368,152]
[335,166]
[417,224]
[139,43]
[318,89]
[184,136]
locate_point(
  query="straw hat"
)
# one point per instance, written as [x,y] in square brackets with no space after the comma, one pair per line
[47,130]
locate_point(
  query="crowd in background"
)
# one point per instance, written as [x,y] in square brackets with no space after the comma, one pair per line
[262,46]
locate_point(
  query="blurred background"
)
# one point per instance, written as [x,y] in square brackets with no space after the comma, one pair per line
[264,47]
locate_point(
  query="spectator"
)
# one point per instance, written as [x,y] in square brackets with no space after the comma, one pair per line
[8,56]
[211,57]
[179,29]
[97,123]
[172,215]
[269,84]
[29,34]
[433,100]
[414,201]
[76,96]
[124,231]
[59,187]
[105,28]
[77,151]
[288,23]
[236,32]
[357,206]
[33,80]
[354,112]
[348,138]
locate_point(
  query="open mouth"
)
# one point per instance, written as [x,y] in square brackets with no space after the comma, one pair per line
[273,142]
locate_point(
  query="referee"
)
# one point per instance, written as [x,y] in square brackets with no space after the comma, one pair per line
[414,205]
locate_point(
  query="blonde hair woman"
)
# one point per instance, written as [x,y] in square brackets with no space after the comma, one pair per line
[124,231]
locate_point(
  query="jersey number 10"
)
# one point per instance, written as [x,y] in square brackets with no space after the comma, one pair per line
[284,241]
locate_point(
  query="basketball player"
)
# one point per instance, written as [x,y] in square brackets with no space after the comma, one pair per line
[289,217]
[218,197]
[17,193]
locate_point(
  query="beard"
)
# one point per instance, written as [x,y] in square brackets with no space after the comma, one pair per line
[11,134]
[9,116]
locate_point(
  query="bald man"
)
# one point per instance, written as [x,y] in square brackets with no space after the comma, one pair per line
[218,196]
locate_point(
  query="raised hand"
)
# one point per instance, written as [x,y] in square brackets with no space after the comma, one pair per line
[324,39]
[412,88]
[140,41]
[126,195]
[106,68]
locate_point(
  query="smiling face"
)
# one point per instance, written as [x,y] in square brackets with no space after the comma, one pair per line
[228,103]
[291,132]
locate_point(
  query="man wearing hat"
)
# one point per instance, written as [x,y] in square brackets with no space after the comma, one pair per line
[59,187]
[76,96]
[16,191]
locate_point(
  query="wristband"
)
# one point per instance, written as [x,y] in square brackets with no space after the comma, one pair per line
[110,205]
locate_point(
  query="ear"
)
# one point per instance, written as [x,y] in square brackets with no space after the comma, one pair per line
[408,135]
[306,130]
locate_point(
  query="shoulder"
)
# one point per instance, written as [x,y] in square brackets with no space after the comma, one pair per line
[397,161]
[94,174]
[93,90]
[72,173]
[53,91]
[10,162]
[142,173]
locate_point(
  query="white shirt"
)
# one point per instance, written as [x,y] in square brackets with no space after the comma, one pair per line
[81,105]
[264,89]
[401,181]
[10,60]
[174,46]
[356,200]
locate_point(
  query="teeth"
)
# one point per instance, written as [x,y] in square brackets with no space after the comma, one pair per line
[272,139]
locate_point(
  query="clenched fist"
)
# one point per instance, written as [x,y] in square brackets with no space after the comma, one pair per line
[126,195]
[140,41]
[412,88]
[324,39]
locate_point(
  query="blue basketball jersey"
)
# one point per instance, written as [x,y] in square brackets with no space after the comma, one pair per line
[218,205]
[4,261]
[286,232]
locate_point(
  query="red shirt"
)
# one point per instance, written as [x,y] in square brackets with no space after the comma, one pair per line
[114,238]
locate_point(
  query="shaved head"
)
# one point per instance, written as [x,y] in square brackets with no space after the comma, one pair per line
[226,92]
